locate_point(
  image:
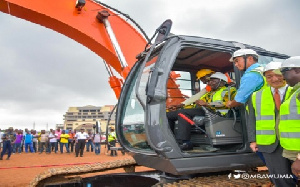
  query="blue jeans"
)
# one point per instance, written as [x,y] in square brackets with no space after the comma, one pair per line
[17,148]
[88,144]
[6,148]
[30,147]
[97,148]
[56,146]
[62,147]
[52,145]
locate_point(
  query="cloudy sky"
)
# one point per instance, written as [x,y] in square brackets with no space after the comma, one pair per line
[42,72]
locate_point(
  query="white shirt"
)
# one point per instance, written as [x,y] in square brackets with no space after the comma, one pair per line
[281,91]
[81,136]
[52,136]
[97,138]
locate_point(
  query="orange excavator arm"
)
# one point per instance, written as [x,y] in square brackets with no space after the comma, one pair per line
[81,25]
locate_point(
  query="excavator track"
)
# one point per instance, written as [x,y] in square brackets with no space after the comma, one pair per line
[216,180]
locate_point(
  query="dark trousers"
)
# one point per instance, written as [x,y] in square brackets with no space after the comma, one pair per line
[71,145]
[34,146]
[6,147]
[52,146]
[184,127]
[17,148]
[80,147]
[88,145]
[112,144]
[43,145]
[278,165]
[56,146]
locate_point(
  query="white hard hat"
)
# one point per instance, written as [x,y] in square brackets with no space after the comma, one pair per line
[291,62]
[272,66]
[242,52]
[219,75]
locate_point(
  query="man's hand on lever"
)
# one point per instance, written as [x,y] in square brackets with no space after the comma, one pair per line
[233,103]
[175,107]
[201,103]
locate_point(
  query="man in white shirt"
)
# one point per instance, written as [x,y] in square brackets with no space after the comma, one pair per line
[81,138]
[52,141]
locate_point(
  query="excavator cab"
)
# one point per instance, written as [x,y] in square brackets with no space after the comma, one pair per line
[220,141]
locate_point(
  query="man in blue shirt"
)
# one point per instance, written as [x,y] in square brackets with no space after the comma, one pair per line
[251,81]
[8,139]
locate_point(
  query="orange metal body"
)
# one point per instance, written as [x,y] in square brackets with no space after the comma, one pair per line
[83,27]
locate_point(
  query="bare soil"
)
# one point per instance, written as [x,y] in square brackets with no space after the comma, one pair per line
[36,163]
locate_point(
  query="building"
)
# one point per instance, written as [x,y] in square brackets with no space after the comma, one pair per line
[58,126]
[86,117]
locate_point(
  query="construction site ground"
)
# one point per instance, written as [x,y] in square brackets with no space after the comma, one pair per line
[22,168]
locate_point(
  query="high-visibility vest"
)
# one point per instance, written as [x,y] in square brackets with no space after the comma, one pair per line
[289,126]
[218,97]
[111,136]
[259,70]
[264,106]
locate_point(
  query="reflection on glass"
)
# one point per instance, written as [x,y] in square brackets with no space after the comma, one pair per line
[133,119]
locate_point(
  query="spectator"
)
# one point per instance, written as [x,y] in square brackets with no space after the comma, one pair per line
[89,143]
[1,141]
[97,140]
[71,140]
[64,140]
[28,139]
[58,133]
[18,142]
[80,138]
[112,140]
[43,142]
[8,139]
[52,141]
[35,141]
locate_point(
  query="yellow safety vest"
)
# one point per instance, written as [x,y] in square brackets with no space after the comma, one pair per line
[111,136]
[264,106]
[260,71]
[289,126]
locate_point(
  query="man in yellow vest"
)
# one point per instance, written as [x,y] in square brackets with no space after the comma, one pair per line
[262,128]
[289,126]
[112,140]
[218,94]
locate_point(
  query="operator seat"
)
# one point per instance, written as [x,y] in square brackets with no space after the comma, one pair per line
[219,130]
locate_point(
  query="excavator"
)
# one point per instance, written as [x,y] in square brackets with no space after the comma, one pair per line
[155,73]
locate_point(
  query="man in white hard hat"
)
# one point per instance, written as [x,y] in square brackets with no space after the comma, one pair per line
[262,129]
[289,127]
[252,80]
[218,94]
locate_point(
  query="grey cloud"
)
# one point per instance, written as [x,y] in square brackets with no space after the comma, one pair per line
[45,72]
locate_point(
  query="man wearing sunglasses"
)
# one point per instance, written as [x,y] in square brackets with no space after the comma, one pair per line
[289,126]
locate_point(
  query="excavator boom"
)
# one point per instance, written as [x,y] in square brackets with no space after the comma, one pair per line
[82,25]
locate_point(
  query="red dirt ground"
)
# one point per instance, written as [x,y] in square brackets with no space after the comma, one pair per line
[23,176]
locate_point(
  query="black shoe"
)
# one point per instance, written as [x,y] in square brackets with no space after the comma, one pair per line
[7,158]
[186,146]
[76,155]
[81,155]
[1,158]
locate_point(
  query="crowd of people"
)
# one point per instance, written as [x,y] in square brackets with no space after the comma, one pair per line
[17,141]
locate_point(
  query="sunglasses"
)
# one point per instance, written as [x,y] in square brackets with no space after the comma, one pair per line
[282,70]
